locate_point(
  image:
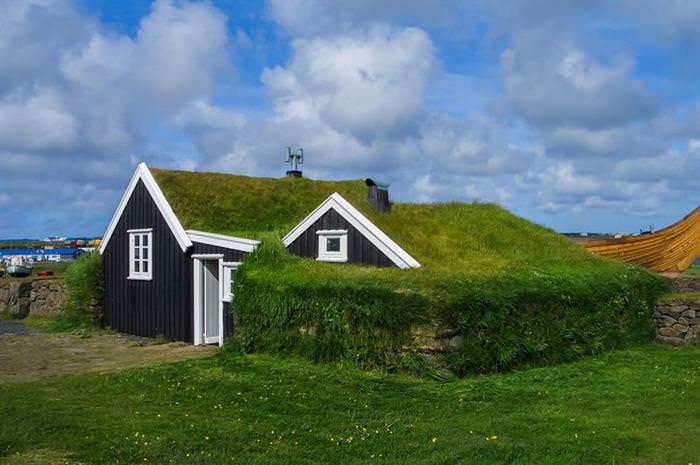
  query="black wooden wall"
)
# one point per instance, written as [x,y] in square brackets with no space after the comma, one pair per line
[162,306]
[360,249]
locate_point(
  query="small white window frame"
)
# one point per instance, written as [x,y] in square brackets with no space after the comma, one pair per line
[324,255]
[140,275]
[227,294]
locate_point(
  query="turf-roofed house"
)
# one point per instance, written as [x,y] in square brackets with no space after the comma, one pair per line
[174,243]
[331,270]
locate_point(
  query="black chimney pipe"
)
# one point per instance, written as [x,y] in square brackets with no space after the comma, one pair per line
[378,195]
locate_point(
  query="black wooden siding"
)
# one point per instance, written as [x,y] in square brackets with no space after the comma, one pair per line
[163,305]
[360,249]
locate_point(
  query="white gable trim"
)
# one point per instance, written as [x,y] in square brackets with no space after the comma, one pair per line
[221,240]
[143,174]
[352,215]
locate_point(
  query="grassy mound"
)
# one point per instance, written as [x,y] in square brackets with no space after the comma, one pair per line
[528,316]
[516,292]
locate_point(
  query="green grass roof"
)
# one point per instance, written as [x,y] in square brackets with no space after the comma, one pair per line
[471,238]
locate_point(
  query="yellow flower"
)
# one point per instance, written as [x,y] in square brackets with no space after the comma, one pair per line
[434,440]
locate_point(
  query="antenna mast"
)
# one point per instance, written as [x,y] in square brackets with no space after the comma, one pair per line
[294,159]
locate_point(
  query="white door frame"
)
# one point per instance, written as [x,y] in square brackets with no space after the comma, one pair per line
[197,260]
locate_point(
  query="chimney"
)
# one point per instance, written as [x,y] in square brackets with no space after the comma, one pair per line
[378,195]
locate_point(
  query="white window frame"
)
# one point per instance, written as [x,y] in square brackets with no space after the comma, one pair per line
[140,275]
[226,269]
[324,255]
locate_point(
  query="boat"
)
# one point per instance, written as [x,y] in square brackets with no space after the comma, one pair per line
[19,269]
[670,250]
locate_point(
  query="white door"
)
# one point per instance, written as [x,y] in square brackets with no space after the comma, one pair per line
[210,301]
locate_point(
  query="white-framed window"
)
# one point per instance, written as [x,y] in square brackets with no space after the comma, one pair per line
[332,245]
[140,254]
[229,276]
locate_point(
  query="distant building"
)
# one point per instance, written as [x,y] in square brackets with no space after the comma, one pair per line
[40,255]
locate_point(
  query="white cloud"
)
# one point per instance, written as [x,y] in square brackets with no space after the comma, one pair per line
[367,85]
[558,86]
[77,103]
[39,120]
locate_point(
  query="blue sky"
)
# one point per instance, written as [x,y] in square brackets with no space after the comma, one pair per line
[580,115]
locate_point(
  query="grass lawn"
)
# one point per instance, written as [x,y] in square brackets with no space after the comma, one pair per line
[636,406]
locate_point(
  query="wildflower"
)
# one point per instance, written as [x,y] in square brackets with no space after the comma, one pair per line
[434,440]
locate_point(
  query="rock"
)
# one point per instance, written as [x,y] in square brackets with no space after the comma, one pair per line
[676,309]
[664,321]
[676,341]
[680,328]
[690,313]
[693,335]
[669,332]
[456,341]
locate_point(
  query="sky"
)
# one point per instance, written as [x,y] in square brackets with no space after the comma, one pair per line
[581,115]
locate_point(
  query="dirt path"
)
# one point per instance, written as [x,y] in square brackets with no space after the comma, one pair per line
[31,355]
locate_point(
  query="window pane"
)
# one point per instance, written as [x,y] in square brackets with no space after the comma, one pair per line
[137,266]
[145,240]
[145,267]
[333,244]
[137,240]
[145,254]
[137,253]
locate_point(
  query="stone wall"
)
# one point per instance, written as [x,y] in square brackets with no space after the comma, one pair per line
[432,339]
[38,297]
[686,285]
[677,322]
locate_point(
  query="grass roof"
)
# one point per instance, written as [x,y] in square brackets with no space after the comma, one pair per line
[471,238]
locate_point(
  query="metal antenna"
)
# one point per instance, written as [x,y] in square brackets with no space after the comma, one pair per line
[295,159]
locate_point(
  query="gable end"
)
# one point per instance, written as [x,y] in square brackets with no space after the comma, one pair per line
[358,222]
[144,175]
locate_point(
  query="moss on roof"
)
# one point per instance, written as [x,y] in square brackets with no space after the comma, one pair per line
[470,238]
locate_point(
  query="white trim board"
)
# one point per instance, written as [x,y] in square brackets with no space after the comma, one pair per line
[143,174]
[352,215]
[221,240]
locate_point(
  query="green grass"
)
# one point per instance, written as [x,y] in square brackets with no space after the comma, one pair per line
[637,406]
[683,296]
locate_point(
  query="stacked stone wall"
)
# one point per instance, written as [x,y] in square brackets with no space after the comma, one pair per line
[21,298]
[677,322]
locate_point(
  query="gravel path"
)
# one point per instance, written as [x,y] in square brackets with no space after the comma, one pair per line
[13,327]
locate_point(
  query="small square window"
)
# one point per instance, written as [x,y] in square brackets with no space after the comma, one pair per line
[332,245]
